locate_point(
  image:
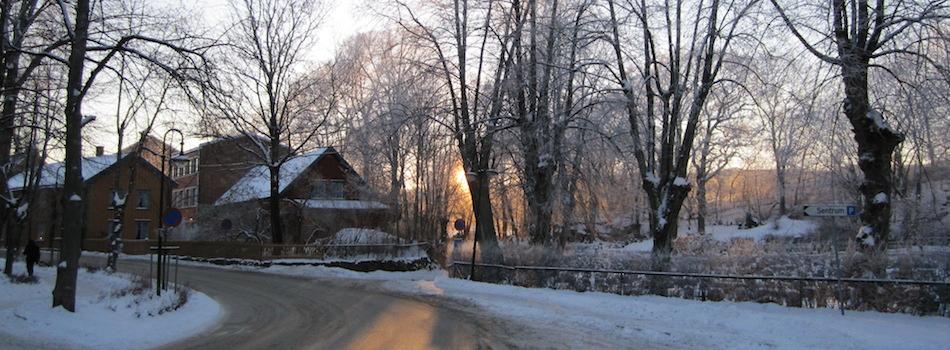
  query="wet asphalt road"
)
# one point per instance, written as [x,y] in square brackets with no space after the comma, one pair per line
[264,311]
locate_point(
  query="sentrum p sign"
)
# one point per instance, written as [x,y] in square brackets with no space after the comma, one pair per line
[831,210]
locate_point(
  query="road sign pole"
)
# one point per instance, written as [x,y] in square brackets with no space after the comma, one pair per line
[834,211]
[834,245]
[158,270]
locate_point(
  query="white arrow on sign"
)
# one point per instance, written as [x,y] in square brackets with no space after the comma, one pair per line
[831,210]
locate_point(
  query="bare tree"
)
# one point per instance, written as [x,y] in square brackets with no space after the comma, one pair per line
[786,104]
[474,113]
[186,66]
[136,109]
[675,77]
[261,92]
[23,50]
[720,140]
[859,35]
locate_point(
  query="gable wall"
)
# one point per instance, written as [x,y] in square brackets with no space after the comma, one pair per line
[220,165]
[99,196]
[326,168]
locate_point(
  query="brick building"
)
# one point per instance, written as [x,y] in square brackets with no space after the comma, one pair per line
[223,188]
[99,172]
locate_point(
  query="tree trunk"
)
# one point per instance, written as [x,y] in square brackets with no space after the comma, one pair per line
[118,202]
[277,233]
[876,143]
[10,96]
[484,220]
[701,204]
[64,293]
[664,222]
[781,188]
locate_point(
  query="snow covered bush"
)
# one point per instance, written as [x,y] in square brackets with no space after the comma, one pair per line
[363,244]
[356,235]
[138,295]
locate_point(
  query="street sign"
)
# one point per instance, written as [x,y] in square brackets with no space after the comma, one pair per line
[172,218]
[831,210]
[460,225]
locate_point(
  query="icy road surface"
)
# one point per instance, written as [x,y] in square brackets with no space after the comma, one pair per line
[264,311]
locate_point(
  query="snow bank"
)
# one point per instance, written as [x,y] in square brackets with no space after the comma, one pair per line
[783,226]
[355,235]
[108,316]
[681,323]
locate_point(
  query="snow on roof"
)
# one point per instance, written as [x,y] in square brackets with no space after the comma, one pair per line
[54,174]
[256,183]
[342,204]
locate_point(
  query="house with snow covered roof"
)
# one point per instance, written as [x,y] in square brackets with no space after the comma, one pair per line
[99,173]
[223,191]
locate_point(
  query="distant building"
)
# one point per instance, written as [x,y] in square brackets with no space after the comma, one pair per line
[223,190]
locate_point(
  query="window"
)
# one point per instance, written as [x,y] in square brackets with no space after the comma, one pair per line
[143,199]
[185,198]
[328,189]
[141,229]
[185,168]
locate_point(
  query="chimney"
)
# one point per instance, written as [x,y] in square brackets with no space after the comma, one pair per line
[100,151]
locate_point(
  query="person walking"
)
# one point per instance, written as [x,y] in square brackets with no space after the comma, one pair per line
[32,253]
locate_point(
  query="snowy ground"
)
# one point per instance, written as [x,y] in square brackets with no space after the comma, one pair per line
[105,318]
[782,227]
[663,322]
[615,321]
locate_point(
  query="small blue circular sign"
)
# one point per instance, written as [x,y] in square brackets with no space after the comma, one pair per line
[460,224]
[172,218]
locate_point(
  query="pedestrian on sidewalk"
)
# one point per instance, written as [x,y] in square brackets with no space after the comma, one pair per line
[32,253]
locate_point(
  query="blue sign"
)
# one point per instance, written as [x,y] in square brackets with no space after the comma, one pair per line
[172,218]
[460,225]
[852,210]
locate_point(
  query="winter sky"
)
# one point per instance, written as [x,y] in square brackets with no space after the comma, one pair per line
[343,19]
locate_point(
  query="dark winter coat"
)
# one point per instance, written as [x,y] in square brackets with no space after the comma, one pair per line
[32,252]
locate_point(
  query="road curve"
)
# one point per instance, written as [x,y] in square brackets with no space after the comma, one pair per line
[263,311]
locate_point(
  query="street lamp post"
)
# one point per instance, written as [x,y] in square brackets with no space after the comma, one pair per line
[161,198]
[477,176]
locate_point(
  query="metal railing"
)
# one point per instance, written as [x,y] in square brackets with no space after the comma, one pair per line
[709,275]
[323,251]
